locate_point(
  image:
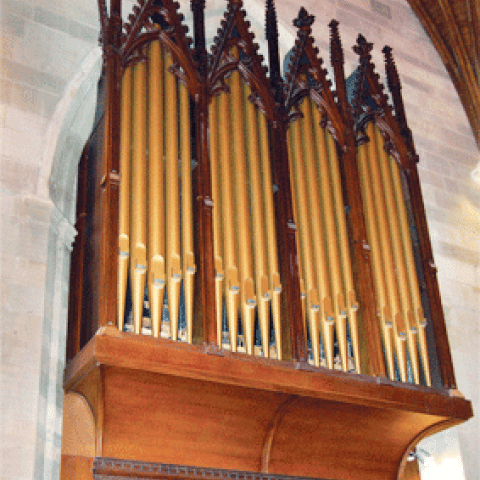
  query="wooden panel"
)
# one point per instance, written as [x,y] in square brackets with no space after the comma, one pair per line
[162,418]
[78,426]
[76,468]
[332,440]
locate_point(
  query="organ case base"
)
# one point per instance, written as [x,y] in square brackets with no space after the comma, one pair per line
[155,400]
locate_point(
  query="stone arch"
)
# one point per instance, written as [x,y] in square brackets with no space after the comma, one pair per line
[66,136]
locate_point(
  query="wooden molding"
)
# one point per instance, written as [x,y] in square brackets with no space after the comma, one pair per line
[112,468]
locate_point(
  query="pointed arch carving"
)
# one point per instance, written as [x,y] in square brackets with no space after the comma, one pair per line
[151,20]
[235,31]
[305,64]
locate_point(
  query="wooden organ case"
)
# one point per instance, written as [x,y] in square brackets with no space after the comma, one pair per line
[253,293]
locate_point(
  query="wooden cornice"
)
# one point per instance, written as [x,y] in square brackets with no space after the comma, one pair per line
[453,27]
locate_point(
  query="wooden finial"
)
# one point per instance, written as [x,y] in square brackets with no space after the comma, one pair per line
[198,10]
[336,49]
[395,87]
[271,33]
[362,49]
[304,21]
[337,60]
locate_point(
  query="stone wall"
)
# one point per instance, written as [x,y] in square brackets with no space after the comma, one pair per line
[50,60]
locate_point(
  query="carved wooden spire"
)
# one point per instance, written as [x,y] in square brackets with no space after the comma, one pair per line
[337,60]
[271,33]
[304,23]
[362,49]
[200,55]
[395,87]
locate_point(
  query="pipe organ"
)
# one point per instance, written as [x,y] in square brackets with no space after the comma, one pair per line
[253,290]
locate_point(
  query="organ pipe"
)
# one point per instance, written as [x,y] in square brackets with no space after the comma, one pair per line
[347,274]
[124,204]
[188,254]
[396,283]
[411,271]
[258,220]
[242,215]
[174,269]
[217,215]
[139,185]
[232,284]
[332,244]
[396,235]
[387,249]
[267,195]
[156,193]
[378,263]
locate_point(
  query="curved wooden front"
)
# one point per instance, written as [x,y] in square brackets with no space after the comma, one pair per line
[194,405]
[329,439]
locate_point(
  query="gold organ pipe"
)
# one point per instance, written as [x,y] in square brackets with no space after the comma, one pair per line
[258,222]
[387,250]
[379,270]
[189,267]
[156,193]
[411,270]
[232,286]
[124,222]
[305,236]
[295,217]
[397,234]
[247,290]
[174,271]
[275,285]
[138,198]
[344,247]
[315,216]
[217,215]
[331,235]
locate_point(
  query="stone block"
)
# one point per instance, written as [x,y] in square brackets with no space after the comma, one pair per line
[12,24]
[24,121]
[10,232]
[446,201]
[431,178]
[6,46]
[421,86]
[457,140]
[17,7]
[357,23]
[457,252]
[83,32]
[51,19]
[467,189]
[24,74]
[25,299]
[432,68]
[456,270]
[5,91]
[23,271]
[470,159]
[26,98]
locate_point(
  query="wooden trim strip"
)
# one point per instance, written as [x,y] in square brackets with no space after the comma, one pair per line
[105,468]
